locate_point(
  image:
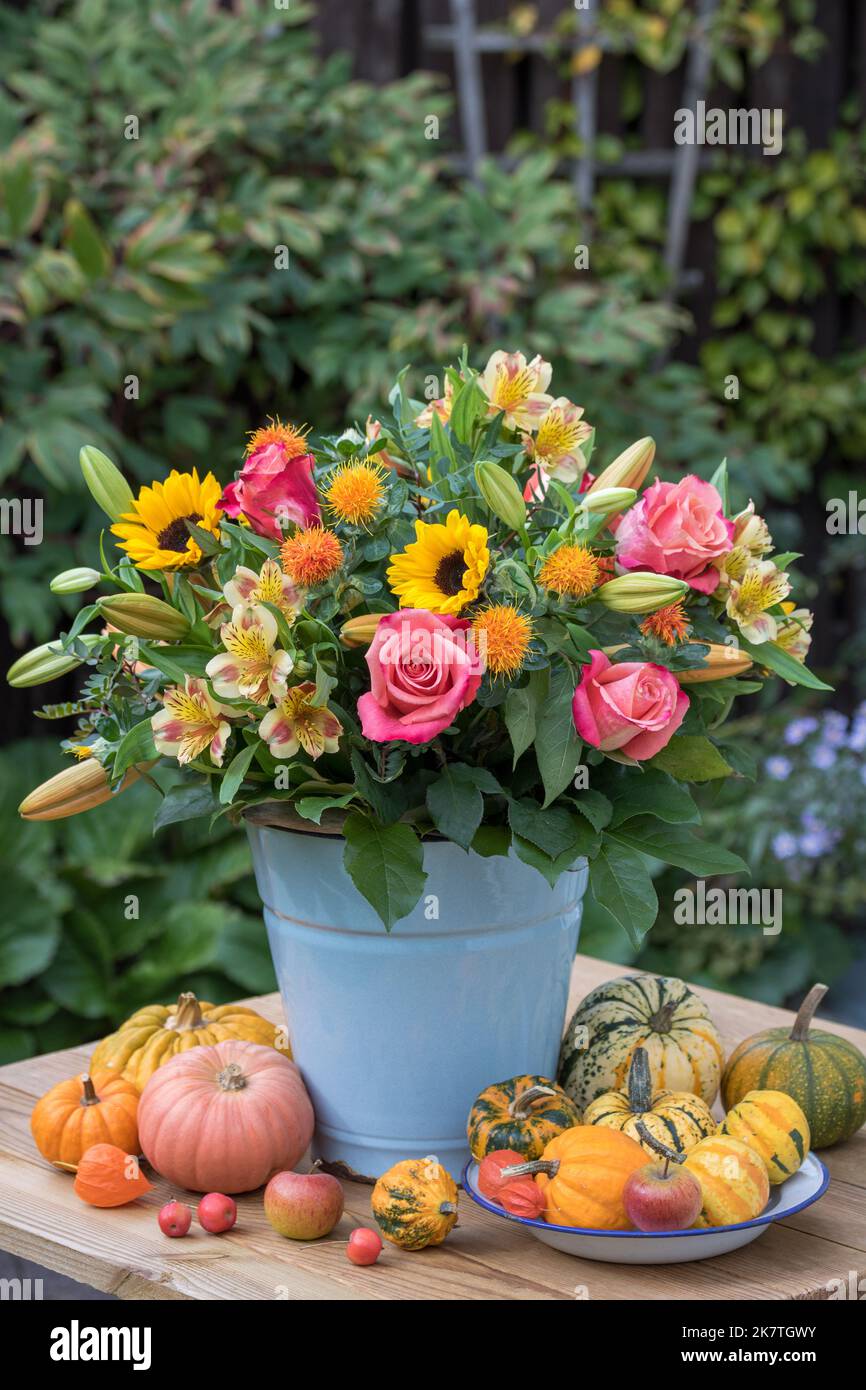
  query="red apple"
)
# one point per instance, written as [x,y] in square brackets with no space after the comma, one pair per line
[174,1219]
[303,1206]
[217,1213]
[364,1247]
[661,1197]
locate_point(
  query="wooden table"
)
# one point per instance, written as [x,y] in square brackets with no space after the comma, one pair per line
[122,1251]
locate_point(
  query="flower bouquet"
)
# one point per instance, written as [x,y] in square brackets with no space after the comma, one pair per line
[447,625]
[443,627]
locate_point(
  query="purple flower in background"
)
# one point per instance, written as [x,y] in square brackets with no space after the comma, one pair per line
[784,845]
[816,843]
[778,767]
[823,756]
[835,729]
[798,729]
[857,736]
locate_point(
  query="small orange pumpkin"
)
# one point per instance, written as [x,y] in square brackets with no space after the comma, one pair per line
[582,1175]
[83,1111]
[108,1177]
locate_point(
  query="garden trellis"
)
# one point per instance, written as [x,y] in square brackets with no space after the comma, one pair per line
[468,42]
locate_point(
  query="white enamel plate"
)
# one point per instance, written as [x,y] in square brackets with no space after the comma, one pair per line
[668,1247]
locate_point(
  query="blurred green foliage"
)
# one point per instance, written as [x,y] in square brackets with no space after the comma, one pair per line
[104,918]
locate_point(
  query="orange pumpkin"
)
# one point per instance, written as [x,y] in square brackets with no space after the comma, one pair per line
[108,1177]
[83,1111]
[582,1174]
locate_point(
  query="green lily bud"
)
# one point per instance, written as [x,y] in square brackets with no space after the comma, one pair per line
[501,494]
[628,469]
[142,615]
[74,581]
[609,500]
[46,663]
[107,485]
[641,593]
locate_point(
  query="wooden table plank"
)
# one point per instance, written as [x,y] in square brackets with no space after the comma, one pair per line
[122,1251]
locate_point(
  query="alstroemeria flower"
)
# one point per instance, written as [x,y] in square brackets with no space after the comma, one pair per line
[298,723]
[442,408]
[556,446]
[761,587]
[270,585]
[250,668]
[795,631]
[190,721]
[518,387]
[751,539]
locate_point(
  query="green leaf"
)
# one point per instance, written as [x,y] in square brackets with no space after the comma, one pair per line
[678,846]
[490,841]
[386,865]
[651,793]
[185,802]
[235,773]
[557,747]
[521,707]
[85,241]
[314,807]
[136,746]
[691,758]
[158,658]
[784,665]
[719,481]
[455,803]
[550,869]
[26,947]
[622,885]
[78,977]
[595,806]
[554,832]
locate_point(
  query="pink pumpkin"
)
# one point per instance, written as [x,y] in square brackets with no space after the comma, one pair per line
[224,1118]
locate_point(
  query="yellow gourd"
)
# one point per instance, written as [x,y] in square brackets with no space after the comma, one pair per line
[772,1124]
[415,1203]
[733,1180]
[156,1033]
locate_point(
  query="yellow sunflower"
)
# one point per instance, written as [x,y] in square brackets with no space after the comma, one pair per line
[154,533]
[444,568]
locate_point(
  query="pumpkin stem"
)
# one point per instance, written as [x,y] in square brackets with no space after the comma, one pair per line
[669,1155]
[640,1082]
[522,1105]
[550,1166]
[660,1021]
[447,1208]
[88,1092]
[232,1078]
[802,1022]
[187,1015]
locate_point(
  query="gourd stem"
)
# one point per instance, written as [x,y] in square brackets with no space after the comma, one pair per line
[550,1166]
[660,1022]
[522,1105]
[232,1078]
[802,1022]
[187,1015]
[88,1091]
[640,1082]
[669,1155]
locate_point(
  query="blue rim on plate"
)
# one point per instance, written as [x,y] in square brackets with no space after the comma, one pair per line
[770,1213]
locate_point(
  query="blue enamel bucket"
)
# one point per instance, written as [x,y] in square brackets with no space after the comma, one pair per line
[397,1033]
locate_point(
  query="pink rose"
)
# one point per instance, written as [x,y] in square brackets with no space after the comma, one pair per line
[634,707]
[676,529]
[422,673]
[274,488]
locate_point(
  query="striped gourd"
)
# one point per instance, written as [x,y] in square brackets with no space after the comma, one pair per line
[522,1114]
[675,1118]
[652,1011]
[415,1203]
[825,1074]
[733,1178]
[772,1124]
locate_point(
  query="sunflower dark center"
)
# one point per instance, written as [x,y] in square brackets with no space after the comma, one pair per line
[450,572]
[175,535]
